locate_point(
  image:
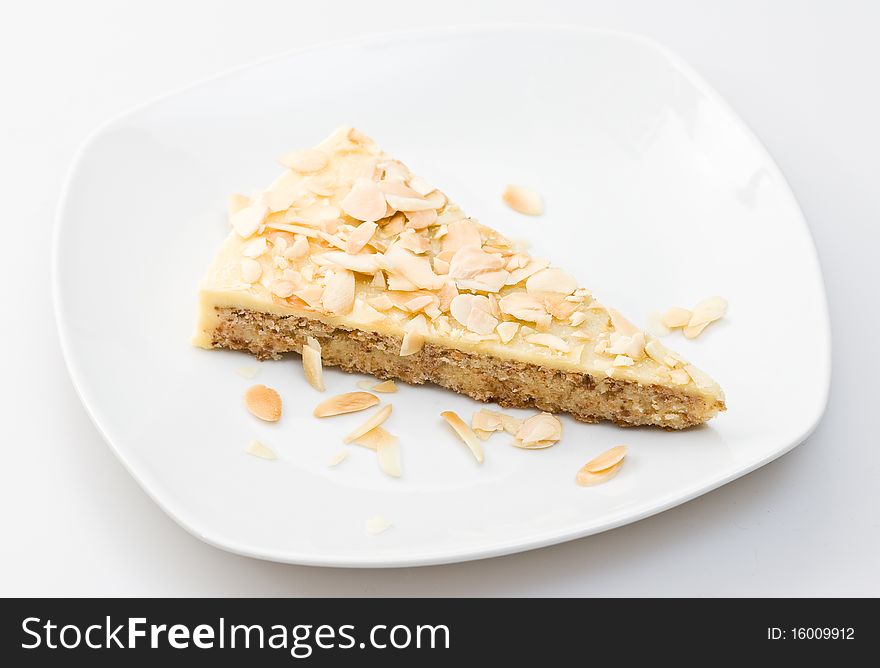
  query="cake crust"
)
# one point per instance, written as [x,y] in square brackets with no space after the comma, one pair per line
[509,383]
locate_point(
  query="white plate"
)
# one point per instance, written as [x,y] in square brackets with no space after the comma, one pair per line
[656,193]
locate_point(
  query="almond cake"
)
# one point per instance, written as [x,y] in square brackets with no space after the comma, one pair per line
[350,249]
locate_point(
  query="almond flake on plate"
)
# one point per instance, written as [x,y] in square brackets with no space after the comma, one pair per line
[606,460]
[376,525]
[263,402]
[585,478]
[247,371]
[375,420]
[524,200]
[465,433]
[388,455]
[386,386]
[375,437]
[676,317]
[350,402]
[338,458]
[539,431]
[311,358]
[257,449]
[365,384]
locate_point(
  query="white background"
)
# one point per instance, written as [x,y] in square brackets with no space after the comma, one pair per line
[802,74]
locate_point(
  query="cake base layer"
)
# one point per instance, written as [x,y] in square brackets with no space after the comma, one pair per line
[508,383]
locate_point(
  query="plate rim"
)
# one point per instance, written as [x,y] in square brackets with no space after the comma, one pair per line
[455,555]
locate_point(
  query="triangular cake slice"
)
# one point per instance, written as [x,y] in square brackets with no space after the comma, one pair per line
[394,280]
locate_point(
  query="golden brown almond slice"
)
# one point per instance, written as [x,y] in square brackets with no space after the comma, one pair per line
[524,200]
[388,455]
[465,433]
[257,449]
[263,402]
[606,460]
[305,161]
[338,458]
[386,386]
[373,438]
[510,424]
[708,310]
[586,478]
[377,418]
[350,402]
[311,357]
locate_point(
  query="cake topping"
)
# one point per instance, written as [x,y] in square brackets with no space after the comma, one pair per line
[305,160]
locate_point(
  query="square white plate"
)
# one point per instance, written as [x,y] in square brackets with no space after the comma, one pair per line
[656,192]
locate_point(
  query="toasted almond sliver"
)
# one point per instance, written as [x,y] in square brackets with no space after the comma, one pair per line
[364,201]
[374,437]
[486,421]
[676,317]
[365,384]
[524,200]
[376,525]
[236,203]
[377,418]
[338,458]
[708,310]
[693,332]
[247,371]
[306,160]
[507,330]
[263,402]
[465,433]
[388,455]
[482,434]
[551,280]
[386,386]
[604,461]
[510,424]
[257,449]
[350,402]
[585,478]
[311,357]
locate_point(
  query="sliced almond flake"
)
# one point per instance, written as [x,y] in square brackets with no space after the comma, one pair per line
[282,200]
[488,281]
[461,306]
[293,229]
[414,242]
[470,262]
[482,435]
[374,437]
[381,302]
[465,433]
[393,170]
[587,479]
[507,330]
[319,186]
[604,461]
[440,266]
[388,456]
[350,402]
[580,334]
[461,233]
[693,332]
[393,225]
[379,280]
[396,186]
[386,386]
[524,200]
[365,384]
[420,186]
[250,270]
[339,292]
[247,371]
[413,338]
[702,381]
[282,289]
[255,247]
[418,303]
[419,220]
[338,458]
[676,317]
[481,322]
[408,204]
[374,421]
[312,296]
[533,267]
[263,402]
[399,283]
[551,280]
[510,424]
[550,341]
[623,360]
[376,525]
[364,201]
[360,237]
[305,160]
[437,198]
[679,377]
[236,203]
[257,449]
[708,310]
[414,268]
[556,306]
[441,231]
[363,263]
[577,318]
[311,357]
[247,221]
[364,313]
[486,421]
[660,353]
[538,431]
[332,239]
